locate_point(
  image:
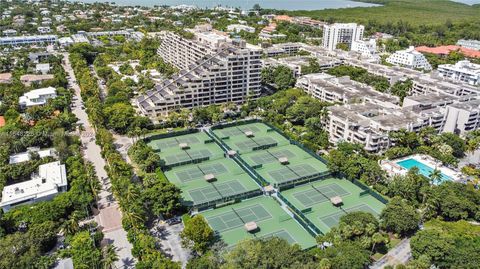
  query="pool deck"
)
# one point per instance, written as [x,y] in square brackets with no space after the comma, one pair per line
[393,168]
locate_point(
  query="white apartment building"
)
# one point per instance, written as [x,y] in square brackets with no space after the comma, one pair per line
[409,58]
[365,48]
[469,44]
[37,97]
[341,33]
[237,28]
[28,40]
[463,117]
[343,90]
[215,70]
[50,180]
[464,71]
[369,124]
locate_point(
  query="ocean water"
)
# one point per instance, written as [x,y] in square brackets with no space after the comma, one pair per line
[245,4]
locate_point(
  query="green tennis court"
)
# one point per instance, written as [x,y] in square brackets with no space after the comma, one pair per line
[333,219]
[238,217]
[272,155]
[217,191]
[198,171]
[282,234]
[239,130]
[228,222]
[293,172]
[254,143]
[313,199]
[321,194]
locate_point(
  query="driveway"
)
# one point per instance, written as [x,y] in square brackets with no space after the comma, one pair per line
[400,254]
[170,241]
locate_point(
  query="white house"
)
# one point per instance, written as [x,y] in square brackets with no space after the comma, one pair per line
[50,180]
[37,97]
[42,68]
[26,156]
[464,71]
[239,27]
[409,58]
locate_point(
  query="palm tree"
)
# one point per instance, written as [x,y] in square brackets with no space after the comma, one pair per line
[110,256]
[435,176]
[70,227]
[377,238]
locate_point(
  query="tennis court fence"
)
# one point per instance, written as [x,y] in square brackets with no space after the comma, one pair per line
[300,217]
[302,180]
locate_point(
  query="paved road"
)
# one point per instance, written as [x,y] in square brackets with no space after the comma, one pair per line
[400,254]
[109,216]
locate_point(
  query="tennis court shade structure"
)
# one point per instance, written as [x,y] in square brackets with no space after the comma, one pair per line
[280,163]
[229,222]
[314,201]
[185,149]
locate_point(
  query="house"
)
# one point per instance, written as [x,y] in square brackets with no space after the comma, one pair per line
[27,80]
[50,180]
[5,78]
[26,156]
[37,97]
[42,68]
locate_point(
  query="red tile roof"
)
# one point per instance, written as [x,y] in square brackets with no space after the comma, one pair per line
[2,121]
[445,50]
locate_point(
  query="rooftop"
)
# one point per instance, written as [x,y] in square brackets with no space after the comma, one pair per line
[45,183]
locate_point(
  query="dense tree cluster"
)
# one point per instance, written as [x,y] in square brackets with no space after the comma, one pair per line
[281,77]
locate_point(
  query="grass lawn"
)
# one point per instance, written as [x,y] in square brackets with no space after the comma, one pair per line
[415,12]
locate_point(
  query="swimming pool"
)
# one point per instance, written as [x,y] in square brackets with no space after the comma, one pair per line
[423,169]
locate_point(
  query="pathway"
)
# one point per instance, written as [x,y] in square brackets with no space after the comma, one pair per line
[109,216]
[400,254]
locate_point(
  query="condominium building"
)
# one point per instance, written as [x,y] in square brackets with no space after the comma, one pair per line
[28,40]
[409,58]
[463,117]
[469,44]
[369,124]
[341,33]
[44,185]
[37,97]
[280,49]
[215,70]
[464,71]
[343,90]
[365,48]
[298,63]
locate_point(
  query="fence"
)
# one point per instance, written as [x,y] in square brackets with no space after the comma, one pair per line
[303,180]
[172,134]
[373,193]
[300,217]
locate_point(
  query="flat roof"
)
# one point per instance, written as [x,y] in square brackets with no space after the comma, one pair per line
[44,183]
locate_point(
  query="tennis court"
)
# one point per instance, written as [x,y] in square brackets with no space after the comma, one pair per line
[229,222]
[321,194]
[185,149]
[313,199]
[333,219]
[250,137]
[230,182]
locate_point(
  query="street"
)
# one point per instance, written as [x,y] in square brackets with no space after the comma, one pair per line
[109,217]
